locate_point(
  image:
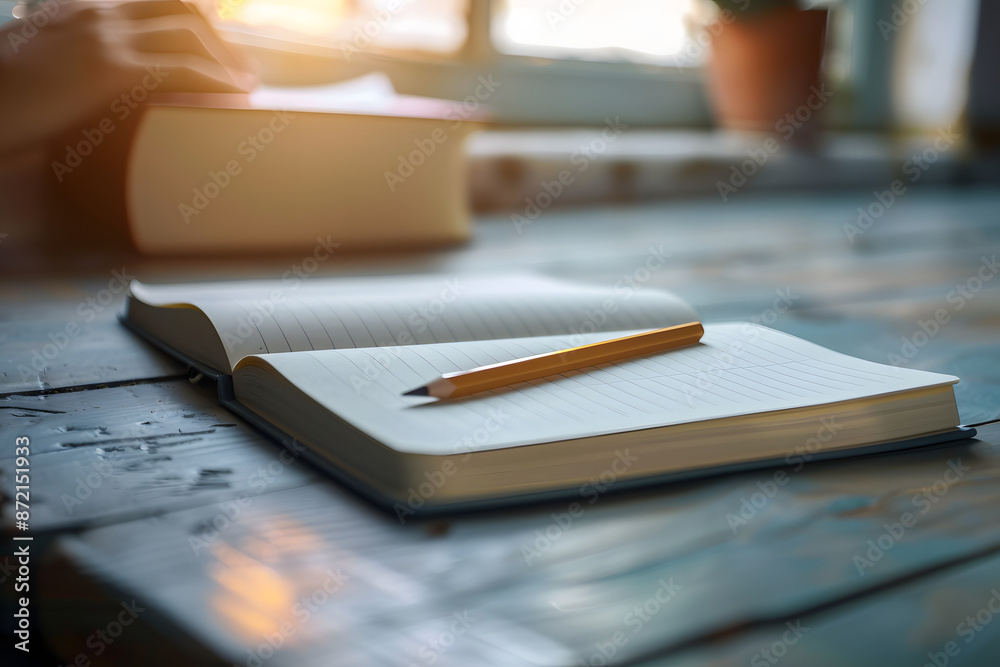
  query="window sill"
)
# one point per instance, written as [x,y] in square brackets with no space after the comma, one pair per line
[509,166]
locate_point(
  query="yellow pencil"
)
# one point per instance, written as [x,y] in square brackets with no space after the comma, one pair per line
[463,383]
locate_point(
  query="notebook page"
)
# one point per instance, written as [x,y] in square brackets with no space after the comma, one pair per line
[736,369]
[265,317]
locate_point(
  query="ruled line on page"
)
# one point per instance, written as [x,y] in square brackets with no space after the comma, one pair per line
[673,387]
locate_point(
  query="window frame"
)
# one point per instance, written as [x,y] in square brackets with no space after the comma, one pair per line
[588,92]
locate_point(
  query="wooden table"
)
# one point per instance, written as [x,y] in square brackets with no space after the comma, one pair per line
[172,531]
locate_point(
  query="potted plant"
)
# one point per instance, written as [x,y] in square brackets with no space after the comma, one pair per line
[765,64]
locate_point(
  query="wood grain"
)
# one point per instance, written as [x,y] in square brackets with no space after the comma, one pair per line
[110,454]
[184,521]
[549,587]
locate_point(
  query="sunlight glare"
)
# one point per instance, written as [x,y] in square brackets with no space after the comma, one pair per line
[654,27]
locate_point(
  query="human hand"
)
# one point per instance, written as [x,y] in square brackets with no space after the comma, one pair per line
[86,55]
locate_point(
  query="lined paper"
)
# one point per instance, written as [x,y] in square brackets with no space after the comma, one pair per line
[737,369]
[321,314]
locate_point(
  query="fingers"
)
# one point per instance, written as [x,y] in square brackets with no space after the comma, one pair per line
[147,9]
[186,15]
[170,34]
[134,10]
[164,35]
[222,50]
[187,35]
[182,72]
[89,54]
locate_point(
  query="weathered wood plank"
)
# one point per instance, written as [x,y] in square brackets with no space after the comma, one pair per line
[949,618]
[406,582]
[926,333]
[62,348]
[726,260]
[144,445]
[545,585]
[105,455]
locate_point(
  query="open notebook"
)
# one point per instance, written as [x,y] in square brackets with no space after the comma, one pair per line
[327,363]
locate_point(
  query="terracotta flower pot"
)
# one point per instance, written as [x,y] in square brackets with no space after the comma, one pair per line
[766,67]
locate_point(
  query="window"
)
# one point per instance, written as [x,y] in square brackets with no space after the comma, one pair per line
[650,31]
[554,65]
[403,25]
[557,61]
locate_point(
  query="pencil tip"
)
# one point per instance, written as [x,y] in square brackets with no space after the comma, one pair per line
[419,391]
